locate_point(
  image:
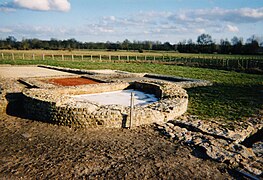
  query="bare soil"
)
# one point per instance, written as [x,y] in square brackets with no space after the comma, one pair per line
[36,150]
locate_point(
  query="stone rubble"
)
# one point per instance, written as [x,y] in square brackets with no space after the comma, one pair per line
[218,143]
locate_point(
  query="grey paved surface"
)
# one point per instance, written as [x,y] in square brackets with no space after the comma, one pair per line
[29,71]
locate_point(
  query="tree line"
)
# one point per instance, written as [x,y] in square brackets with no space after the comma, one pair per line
[203,44]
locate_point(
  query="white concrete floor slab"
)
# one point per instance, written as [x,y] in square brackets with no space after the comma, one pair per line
[122,97]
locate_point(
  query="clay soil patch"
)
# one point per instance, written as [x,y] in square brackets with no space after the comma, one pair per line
[72,81]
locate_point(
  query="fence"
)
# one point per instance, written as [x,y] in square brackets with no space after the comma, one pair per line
[224,62]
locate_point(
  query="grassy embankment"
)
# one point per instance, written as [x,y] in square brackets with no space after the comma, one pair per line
[233,97]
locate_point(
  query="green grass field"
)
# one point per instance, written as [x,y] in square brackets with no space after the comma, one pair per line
[244,63]
[233,97]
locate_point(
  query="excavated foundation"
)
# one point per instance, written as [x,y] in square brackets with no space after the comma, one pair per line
[64,105]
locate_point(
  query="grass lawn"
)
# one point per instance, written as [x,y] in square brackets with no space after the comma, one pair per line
[233,97]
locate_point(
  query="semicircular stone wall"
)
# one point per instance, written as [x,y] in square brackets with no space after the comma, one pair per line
[57,105]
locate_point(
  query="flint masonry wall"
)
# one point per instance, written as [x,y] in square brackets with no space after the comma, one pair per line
[56,106]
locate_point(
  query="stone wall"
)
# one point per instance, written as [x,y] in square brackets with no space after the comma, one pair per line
[10,95]
[39,109]
[57,106]
[150,88]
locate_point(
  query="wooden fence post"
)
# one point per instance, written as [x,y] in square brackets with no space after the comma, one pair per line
[109,57]
[43,57]
[128,58]
[238,64]
[23,56]
[13,56]
[91,58]
[119,57]
[145,58]
[33,56]
[72,57]
[53,58]
[100,57]
[62,57]
[3,56]
[247,64]
[82,57]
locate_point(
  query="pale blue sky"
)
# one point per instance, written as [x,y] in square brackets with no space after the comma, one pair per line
[116,20]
